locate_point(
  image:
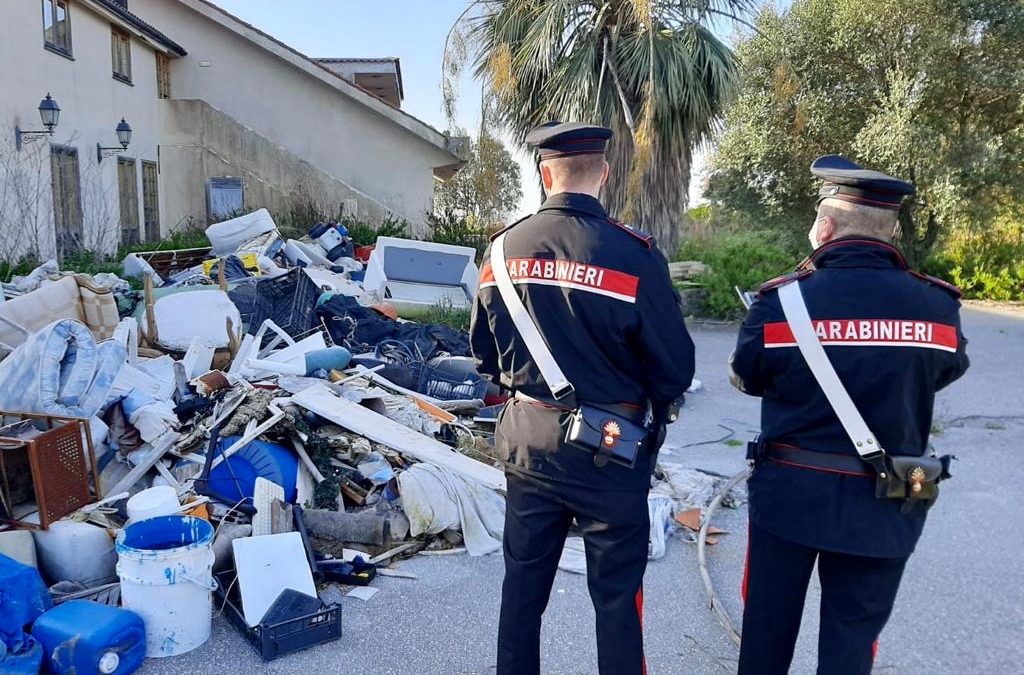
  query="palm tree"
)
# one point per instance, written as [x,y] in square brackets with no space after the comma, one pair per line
[652,70]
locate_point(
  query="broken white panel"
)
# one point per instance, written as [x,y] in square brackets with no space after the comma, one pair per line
[419,274]
[363,592]
[198,358]
[363,421]
[329,281]
[267,566]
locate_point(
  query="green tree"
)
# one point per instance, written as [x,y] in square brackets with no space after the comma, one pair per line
[928,90]
[485,191]
[651,70]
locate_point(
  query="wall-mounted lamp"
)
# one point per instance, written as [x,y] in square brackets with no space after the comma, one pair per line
[124,137]
[49,112]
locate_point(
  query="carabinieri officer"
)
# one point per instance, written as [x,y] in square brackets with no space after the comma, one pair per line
[893,337]
[600,295]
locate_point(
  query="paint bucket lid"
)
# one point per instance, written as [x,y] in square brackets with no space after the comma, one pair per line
[161,500]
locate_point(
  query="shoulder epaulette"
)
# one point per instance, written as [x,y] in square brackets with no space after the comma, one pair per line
[647,239]
[944,285]
[773,284]
[509,227]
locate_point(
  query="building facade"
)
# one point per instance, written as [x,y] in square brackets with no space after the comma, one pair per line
[223,118]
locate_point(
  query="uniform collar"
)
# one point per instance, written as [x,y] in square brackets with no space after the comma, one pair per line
[574,201]
[857,252]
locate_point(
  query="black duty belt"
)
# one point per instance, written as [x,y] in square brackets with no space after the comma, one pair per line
[634,413]
[847,465]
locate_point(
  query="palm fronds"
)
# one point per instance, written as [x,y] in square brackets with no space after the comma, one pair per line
[652,70]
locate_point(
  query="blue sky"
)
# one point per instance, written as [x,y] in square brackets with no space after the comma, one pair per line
[412,30]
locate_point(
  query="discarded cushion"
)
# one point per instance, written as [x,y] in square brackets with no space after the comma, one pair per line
[60,371]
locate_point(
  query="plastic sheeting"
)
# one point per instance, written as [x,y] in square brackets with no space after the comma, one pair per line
[435,499]
[60,371]
[23,598]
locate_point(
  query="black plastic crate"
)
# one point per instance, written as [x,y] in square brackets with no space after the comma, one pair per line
[273,641]
[289,300]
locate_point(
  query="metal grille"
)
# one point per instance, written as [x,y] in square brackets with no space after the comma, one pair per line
[58,466]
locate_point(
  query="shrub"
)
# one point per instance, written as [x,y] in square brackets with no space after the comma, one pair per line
[985,265]
[744,259]
[448,228]
[364,233]
[445,314]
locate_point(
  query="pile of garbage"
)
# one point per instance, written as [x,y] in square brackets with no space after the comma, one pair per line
[257,423]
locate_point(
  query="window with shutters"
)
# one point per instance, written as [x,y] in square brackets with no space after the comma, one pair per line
[163,76]
[127,188]
[224,198]
[150,201]
[121,55]
[57,26]
[67,199]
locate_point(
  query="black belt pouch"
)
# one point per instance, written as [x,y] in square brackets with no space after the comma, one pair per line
[610,436]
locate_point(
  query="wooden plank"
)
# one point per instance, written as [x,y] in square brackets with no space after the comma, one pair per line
[354,417]
[152,456]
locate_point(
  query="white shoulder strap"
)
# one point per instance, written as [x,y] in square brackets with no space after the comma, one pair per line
[546,364]
[795,309]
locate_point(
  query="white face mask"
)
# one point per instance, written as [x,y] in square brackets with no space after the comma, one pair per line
[812,236]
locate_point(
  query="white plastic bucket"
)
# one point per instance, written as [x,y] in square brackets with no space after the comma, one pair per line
[165,565]
[161,500]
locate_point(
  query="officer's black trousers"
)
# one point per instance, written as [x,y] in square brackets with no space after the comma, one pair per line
[615,528]
[857,595]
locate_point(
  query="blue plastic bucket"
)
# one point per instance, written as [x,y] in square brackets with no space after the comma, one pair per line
[166,570]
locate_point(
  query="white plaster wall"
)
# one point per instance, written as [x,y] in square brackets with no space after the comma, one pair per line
[304,115]
[200,141]
[92,103]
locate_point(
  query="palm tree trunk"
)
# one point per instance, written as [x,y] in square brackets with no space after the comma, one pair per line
[660,208]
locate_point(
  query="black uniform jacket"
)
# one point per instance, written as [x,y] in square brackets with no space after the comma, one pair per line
[894,339]
[601,296]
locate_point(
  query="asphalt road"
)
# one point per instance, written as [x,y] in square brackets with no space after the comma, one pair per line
[960,609]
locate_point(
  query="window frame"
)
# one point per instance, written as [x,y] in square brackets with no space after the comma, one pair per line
[125,209]
[215,184]
[68,221]
[163,76]
[66,48]
[151,200]
[120,38]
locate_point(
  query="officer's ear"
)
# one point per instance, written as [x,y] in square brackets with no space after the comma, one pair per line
[826,229]
[604,173]
[545,177]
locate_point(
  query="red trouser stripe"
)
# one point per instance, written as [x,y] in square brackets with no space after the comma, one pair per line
[640,614]
[746,571]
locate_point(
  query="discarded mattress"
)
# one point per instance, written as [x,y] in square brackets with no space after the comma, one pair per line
[60,371]
[66,298]
[419,274]
[436,499]
[228,236]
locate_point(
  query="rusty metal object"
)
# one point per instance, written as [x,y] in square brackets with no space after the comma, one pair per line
[57,458]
